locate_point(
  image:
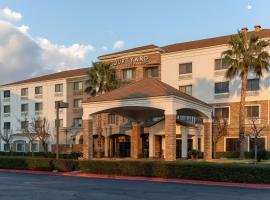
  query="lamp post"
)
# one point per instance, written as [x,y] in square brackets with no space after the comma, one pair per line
[58,105]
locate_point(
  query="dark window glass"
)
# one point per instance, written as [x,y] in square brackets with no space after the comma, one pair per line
[24,92]
[7,109]
[59,88]
[222,87]
[6,93]
[232,144]
[185,68]
[253,85]
[129,74]
[7,125]
[222,112]
[220,64]
[252,111]
[38,106]
[152,72]
[38,90]
[260,144]
[186,89]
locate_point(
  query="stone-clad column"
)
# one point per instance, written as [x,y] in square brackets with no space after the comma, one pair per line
[135,140]
[170,137]
[151,145]
[184,132]
[207,139]
[88,138]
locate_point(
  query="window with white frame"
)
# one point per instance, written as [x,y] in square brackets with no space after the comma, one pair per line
[77,122]
[185,68]
[253,85]
[58,87]
[20,147]
[222,112]
[6,109]
[77,103]
[24,107]
[186,89]
[222,87]
[38,90]
[78,86]
[38,107]
[129,74]
[220,64]
[7,94]
[232,144]
[260,144]
[252,111]
[24,92]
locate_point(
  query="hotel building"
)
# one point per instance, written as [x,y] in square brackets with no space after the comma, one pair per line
[166,107]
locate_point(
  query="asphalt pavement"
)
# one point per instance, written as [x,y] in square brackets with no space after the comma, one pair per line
[20,186]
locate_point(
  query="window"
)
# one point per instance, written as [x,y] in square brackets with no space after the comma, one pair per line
[232,144]
[129,74]
[77,122]
[35,147]
[24,125]
[77,103]
[24,92]
[252,111]
[222,112]
[38,106]
[6,93]
[186,89]
[7,125]
[59,88]
[260,144]
[38,90]
[24,107]
[253,85]
[6,147]
[222,87]
[20,147]
[61,123]
[7,109]
[185,68]
[220,64]
[112,119]
[78,86]
[152,72]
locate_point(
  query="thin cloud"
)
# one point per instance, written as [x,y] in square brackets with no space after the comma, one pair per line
[249,7]
[10,15]
[119,44]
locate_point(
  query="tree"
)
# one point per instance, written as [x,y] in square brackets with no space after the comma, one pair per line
[220,130]
[246,54]
[255,131]
[7,137]
[31,135]
[101,79]
[40,126]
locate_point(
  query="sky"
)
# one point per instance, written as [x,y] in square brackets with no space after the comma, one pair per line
[45,36]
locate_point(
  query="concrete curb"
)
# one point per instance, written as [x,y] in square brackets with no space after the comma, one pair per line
[140,178]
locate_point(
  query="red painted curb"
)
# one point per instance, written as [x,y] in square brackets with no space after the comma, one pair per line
[140,178]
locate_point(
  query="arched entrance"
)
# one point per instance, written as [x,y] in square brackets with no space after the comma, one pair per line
[120,146]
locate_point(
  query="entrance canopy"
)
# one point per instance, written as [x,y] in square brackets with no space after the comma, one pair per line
[145,98]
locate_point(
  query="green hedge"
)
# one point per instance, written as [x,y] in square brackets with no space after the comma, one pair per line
[43,164]
[248,155]
[72,155]
[244,173]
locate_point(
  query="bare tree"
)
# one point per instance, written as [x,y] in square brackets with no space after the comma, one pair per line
[7,137]
[255,130]
[31,135]
[40,127]
[220,130]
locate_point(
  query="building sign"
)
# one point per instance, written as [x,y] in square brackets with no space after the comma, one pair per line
[135,60]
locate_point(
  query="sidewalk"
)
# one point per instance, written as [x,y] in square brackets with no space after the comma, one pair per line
[139,178]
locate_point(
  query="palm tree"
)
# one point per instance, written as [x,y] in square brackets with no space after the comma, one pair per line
[247,54]
[101,79]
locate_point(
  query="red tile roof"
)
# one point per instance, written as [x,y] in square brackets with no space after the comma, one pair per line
[149,87]
[58,75]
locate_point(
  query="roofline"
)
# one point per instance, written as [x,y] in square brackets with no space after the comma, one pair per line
[115,55]
[86,102]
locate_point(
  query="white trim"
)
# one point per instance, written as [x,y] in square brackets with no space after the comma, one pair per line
[259,118]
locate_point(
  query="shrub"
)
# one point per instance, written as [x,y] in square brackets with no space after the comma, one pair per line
[63,165]
[262,155]
[245,173]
